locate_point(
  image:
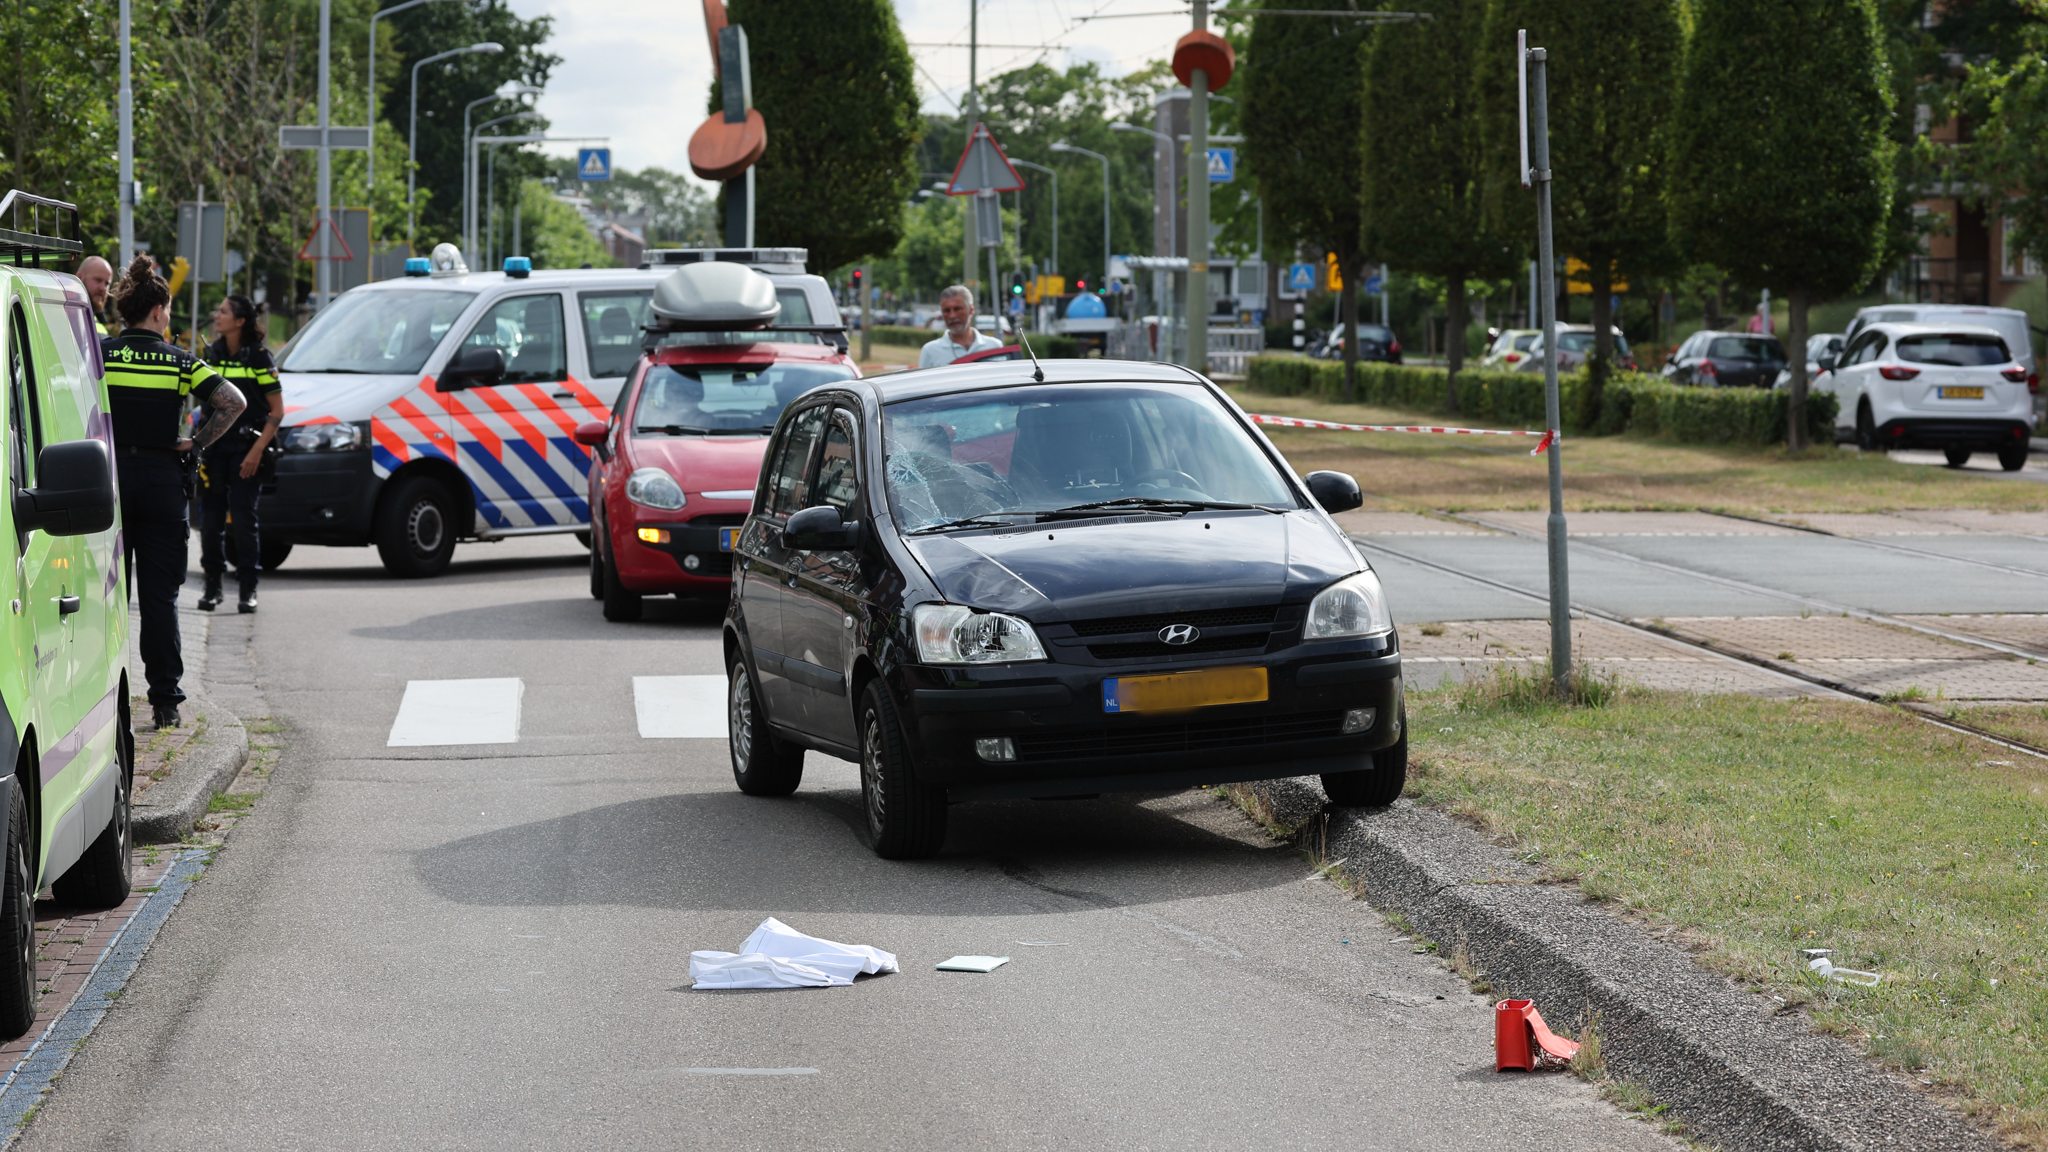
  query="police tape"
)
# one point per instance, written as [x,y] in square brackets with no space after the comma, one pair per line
[1550,437]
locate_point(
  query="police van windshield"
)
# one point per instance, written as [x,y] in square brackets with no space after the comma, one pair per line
[376,332]
[723,399]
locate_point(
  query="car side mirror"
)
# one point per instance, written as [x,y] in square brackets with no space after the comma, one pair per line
[76,493]
[1827,363]
[820,528]
[474,366]
[595,435]
[1335,491]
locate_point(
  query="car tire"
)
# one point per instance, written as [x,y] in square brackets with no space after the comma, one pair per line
[102,878]
[416,528]
[596,574]
[17,926]
[761,764]
[906,817]
[271,552]
[1377,786]
[622,605]
[583,538]
[1866,429]
[2014,458]
[1957,457]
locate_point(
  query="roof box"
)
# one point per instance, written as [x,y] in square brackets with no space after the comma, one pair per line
[714,296]
[785,260]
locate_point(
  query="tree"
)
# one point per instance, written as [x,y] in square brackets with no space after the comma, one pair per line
[1786,184]
[2008,155]
[56,120]
[1422,161]
[1300,117]
[553,233]
[836,85]
[1611,89]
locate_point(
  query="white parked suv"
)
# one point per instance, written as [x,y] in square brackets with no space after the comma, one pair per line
[2010,323]
[1956,387]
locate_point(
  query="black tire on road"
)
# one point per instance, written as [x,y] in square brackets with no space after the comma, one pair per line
[17,926]
[583,538]
[273,552]
[906,818]
[1377,786]
[596,574]
[1866,429]
[101,878]
[622,605]
[415,529]
[761,764]
[1957,457]
[2014,458]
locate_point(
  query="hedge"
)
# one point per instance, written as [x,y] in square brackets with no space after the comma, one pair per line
[902,336]
[1634,402]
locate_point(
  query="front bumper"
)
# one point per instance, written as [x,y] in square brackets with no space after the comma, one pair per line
[689,561]
[1066,744]
[321,498]
[1953,432]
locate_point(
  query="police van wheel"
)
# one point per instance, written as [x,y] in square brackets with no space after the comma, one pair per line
[17,926]
[622,605]
[416,528]
[272,552]
[101,877]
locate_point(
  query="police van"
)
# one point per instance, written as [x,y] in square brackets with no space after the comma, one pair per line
[443,406]
[64,721]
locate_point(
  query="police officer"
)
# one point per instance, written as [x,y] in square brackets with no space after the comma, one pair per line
[147,382]
[230,470]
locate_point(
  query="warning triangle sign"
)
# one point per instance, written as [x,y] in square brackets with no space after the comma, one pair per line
[983,167]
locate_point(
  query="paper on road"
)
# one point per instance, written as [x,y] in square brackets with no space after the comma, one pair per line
[974,963]
[778,956]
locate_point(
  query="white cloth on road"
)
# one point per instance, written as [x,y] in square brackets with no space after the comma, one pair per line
[943,351]
[778,956]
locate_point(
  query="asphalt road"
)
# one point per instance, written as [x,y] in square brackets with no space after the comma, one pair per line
[487,945]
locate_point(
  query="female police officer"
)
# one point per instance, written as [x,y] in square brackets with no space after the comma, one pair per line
[147,382]
[228,476]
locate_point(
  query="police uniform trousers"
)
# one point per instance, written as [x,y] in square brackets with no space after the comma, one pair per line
[225,492]
[154,531]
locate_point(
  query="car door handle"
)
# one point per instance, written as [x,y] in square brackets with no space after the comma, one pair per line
[563,395]
[66,605]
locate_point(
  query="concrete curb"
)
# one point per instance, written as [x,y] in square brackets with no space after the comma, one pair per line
[166,813]
[1740,1075]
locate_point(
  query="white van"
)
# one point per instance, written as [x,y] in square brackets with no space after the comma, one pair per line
[2011,323]
[443,406]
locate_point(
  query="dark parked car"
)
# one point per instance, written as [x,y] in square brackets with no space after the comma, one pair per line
[1726,360]
[1375,342]
[988,581]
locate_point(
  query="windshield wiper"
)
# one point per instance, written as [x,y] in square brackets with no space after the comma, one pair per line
[1155,503]
[981,521]
[684,430]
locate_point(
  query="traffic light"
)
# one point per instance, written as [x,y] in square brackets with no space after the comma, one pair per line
[856,287]
[1080,285]
[1016,283]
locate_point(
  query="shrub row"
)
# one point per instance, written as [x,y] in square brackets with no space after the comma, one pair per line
[901,336]
[1632,401]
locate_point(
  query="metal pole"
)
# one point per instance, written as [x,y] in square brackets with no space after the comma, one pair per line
[1198,208]
[867,322]
[970,234]
[412,160]
[322,270]
[198,247]
[1054,173]
[1546,268]
[517,195]
[127,147]
[491,211]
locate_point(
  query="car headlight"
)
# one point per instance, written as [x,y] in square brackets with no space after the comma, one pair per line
[1353,606]
[957,634]
[653,488]
[327,437]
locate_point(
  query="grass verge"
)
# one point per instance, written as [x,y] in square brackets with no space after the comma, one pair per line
[1460,473]
[1757,828]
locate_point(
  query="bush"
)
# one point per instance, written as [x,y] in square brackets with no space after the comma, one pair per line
[1052,347]
[901,336]
[1634,401]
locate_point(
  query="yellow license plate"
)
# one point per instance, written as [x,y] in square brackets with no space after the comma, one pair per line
[727,537]
[1182,691]
[1956,393]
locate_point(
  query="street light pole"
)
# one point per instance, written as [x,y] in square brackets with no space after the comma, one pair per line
[471,217]
[371,180]
[1538,173]
[324,194]
[1055,208]
[1063,146]
[412,131]
[1172,180]
[127,147]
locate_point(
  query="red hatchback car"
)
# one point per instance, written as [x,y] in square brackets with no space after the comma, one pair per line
[675,467]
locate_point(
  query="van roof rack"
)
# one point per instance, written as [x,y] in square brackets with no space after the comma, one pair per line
[27,247]
[786,260]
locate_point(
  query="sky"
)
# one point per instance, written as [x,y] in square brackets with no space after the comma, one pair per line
[625,63]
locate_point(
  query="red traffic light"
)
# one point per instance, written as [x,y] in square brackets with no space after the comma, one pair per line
[1080,285]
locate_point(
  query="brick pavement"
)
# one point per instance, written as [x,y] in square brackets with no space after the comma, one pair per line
[2019,629]
[1466,648]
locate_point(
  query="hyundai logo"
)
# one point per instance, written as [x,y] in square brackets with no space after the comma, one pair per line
[1179,634]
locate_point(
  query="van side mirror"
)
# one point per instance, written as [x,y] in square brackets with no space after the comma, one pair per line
[592,434]
[1335,491]
[1827,363]
[819,528]
[75,495]
[474,366]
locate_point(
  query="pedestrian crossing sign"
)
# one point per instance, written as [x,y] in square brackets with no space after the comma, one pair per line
[1222,165]
[1301,277]
[593,163]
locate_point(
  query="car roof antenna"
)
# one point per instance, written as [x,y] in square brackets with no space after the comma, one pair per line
[1037,369]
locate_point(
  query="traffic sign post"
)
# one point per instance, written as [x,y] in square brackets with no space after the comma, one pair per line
[202,244]
[1373,284]
[1534,63]
[593,164]
[983,168]
[323,138]
[1222,165]
[1301,277]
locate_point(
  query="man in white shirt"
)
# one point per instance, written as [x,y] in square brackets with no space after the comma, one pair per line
[956,307]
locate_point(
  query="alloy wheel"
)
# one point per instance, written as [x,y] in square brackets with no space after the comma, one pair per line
[425,527]
[871,773]
[742,715]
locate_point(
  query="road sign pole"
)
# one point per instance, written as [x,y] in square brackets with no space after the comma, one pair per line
[127,149]
[324,192]
[198,256]
[1198,209]
[1546,268]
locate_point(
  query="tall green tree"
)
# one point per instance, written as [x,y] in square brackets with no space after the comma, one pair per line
[56,120]
[2006,97]
[1300,115]
[1786,184]
[835,82]
[1611,83]
[1423,167]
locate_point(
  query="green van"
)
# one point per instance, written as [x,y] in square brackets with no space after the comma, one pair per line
[64,723]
